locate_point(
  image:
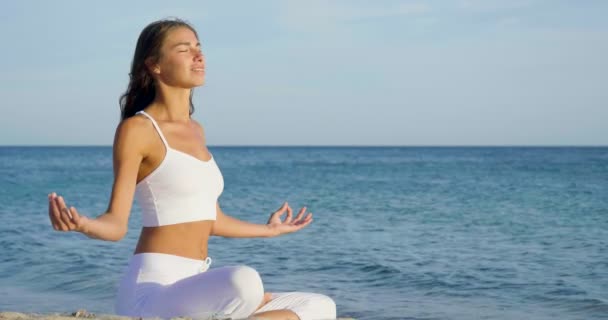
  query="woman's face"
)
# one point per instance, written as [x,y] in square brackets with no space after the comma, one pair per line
[181,63]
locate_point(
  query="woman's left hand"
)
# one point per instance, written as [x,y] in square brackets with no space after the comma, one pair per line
[288,225]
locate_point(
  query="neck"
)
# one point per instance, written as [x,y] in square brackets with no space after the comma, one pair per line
[172,104]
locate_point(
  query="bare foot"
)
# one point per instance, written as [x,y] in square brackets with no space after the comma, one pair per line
[265,300]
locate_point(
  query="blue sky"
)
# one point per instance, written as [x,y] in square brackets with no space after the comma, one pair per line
[518,72]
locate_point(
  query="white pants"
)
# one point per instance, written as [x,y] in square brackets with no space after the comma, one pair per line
[163,285]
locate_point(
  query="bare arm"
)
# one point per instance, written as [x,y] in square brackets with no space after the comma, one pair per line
[113,224]
[229,227]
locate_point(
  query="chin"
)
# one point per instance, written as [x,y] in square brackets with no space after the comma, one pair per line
[198,82]
[193,84]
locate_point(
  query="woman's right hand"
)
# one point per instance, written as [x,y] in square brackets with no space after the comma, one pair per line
[64,218]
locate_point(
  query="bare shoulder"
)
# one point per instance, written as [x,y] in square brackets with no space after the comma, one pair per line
[133,124]
[134,132]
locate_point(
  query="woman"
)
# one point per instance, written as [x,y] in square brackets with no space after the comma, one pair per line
[160,158]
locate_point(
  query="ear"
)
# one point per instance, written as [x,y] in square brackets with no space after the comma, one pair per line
[153,67]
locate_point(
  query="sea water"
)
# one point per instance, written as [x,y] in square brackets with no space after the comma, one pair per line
[398,232]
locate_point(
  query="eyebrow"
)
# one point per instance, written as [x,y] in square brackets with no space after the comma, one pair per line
[198,44]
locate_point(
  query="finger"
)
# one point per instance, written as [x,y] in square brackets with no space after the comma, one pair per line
[51,213]
[75,215]
[61,204]
[78,219]
[289,215]
[66,209]
[308,218]
[280,211]
[57,214]
[64,226]
[301,213]
[283,206]
[51,216]
[304,223]
[65,216]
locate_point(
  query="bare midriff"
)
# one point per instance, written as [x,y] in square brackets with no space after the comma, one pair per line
[187,239]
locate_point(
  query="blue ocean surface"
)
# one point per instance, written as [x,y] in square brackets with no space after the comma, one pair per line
[398,232]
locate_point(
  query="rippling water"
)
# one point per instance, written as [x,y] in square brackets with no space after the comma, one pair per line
[399,233]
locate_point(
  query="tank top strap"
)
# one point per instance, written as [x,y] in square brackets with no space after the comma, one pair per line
[160,133]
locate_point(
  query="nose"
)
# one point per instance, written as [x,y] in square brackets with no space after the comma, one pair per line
[198,55]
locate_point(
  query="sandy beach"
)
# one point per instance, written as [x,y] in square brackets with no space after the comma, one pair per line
[58,316]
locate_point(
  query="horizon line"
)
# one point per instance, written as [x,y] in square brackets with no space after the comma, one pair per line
[341,146]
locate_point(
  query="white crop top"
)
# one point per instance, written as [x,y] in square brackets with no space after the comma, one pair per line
[181,189]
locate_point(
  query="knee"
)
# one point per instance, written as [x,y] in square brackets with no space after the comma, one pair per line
[247,283]
[313,306]
[327,303]
[325,306]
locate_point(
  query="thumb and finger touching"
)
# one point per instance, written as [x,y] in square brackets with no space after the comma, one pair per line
[63,218]
[65,213]
[289,215]
[56,215]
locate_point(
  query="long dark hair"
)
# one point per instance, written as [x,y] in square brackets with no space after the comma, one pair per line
[141,91]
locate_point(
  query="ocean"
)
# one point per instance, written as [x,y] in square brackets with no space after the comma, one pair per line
[398,232]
